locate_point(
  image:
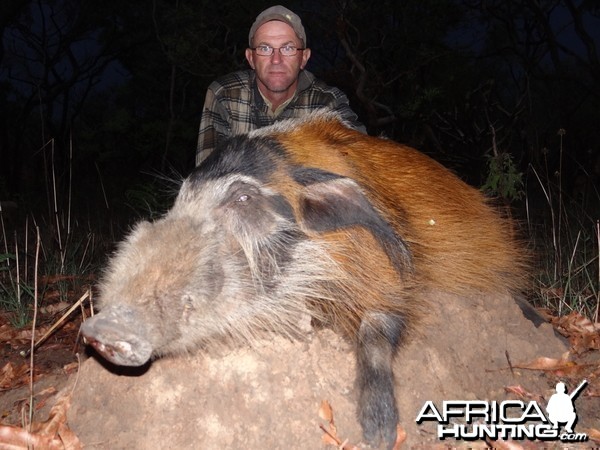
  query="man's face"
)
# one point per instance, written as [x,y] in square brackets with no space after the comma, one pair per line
[277,75]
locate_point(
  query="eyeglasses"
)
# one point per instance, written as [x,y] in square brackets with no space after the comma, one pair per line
[267,50]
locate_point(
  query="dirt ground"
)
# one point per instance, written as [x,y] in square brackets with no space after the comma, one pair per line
[272,396]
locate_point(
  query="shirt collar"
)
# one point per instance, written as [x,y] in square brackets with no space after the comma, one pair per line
[305,80]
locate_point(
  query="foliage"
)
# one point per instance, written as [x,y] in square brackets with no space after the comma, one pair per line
[125,81]
[503,179]
[95,95]
[565,233]
[68,267]
[14,293]
[568,275]
[5,257]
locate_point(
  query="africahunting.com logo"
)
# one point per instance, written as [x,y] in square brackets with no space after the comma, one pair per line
[510,419]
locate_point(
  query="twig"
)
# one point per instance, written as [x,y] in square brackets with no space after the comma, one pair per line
[512,371]
[57,323]
[18,272]
[328,433]
[4,235]
[598,290]
[33,325]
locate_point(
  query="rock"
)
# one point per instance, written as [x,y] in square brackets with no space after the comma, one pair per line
[269,396]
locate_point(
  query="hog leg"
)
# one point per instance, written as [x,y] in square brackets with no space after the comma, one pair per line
[378,337]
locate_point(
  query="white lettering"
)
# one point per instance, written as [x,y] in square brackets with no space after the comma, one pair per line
[534,413]
[505,417]
[434,415]
[492,420]
[454,408]
[453,431]
[574,437]
[476,409]
[499,431]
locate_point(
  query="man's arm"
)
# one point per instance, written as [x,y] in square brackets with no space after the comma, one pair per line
[333,98]
[214,124]
[342,107]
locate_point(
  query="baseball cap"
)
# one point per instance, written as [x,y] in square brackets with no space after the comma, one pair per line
[282,14]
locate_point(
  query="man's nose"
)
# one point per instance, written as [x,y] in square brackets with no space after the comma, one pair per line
[276,56]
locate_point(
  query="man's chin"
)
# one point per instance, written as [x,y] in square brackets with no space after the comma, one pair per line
[279,84]
[278,89]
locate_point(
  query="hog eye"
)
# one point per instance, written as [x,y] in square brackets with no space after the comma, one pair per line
[243,198]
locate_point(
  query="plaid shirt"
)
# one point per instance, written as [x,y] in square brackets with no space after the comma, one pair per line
[234,105]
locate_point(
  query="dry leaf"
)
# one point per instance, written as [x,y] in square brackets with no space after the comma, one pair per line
[48,391]
[517,390]
[23,336]
[11,376]
[6,332]
[330,437]
[505,445]
[7,375]
[51,434]
[54,308]
[576,323]
[589,341]
[56,417]
[71,368]
[593,434]
[520,392]
[583,334]
[400,438]
[544,363]
[559,367]
[14,438]
[325,411]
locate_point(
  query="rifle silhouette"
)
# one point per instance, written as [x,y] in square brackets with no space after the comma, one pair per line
[578,389]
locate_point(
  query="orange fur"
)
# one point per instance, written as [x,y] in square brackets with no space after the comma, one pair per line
[459,243]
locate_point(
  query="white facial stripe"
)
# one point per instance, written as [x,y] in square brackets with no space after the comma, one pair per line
[224,183]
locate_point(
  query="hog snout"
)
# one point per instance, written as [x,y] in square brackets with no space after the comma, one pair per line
[115,334]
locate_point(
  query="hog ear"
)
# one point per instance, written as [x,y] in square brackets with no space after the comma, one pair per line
[334,203]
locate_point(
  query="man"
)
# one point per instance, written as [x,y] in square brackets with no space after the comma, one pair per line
[560,407]
[276,87]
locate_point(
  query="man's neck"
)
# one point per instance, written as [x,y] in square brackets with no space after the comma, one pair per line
[276,99]
[275,109]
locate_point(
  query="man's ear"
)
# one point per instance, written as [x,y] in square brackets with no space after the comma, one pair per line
[305,57]
[250,57]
